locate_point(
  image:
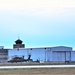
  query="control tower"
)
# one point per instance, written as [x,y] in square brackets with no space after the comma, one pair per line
[18,44]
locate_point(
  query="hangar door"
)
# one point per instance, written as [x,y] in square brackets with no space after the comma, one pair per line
[59,56]
[68,56]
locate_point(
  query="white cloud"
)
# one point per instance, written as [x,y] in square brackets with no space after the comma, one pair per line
[36,6]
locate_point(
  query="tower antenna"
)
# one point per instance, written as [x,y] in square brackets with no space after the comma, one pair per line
[18,36]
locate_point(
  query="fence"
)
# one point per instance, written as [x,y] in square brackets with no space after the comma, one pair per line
[32,63]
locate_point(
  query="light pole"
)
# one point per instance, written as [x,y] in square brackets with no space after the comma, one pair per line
[45,54]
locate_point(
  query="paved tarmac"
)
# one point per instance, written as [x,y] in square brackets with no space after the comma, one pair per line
[37,66]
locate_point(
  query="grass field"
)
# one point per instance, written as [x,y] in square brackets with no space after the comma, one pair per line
[51,71]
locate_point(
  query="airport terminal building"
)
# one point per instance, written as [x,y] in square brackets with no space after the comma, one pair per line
[43,54]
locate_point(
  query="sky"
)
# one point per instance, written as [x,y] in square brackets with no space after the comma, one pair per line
[38,23]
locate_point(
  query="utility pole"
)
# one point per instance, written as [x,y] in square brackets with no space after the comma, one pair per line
[45,54]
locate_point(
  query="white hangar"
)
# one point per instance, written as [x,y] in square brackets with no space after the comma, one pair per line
[43,54]
[47,54]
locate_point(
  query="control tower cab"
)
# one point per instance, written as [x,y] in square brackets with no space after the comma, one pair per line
[18,44]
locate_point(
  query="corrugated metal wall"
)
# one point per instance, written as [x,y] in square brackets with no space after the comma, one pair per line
[61,56]
[58,56]
[68,56]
